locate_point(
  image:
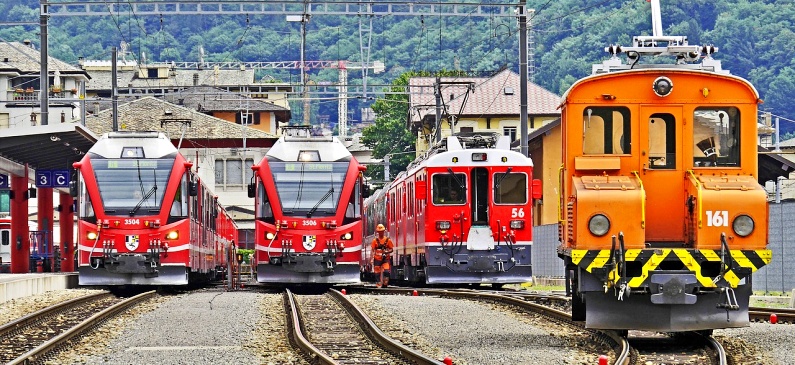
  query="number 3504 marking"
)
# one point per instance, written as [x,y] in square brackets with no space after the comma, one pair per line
[718,218]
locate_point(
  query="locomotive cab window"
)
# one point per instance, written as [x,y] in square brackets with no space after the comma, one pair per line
[662,141]
[716,137]
[510,188]
[449,188]
[606,131]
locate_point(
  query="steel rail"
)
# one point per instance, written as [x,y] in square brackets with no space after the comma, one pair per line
[720,352]
[36,316]
[379,336]
[784,315]
[297,334]
[33,355]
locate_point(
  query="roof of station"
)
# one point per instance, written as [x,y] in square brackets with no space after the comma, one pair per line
[43,147]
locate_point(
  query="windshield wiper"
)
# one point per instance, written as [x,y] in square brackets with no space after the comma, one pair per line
[145,197]
[312,211]
[460,184]
[499,180]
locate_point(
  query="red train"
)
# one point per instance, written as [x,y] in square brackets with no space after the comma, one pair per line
[308,206]
[145,218]
[5,244]
[461,214]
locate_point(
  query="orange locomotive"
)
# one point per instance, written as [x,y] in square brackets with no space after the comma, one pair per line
[662,218]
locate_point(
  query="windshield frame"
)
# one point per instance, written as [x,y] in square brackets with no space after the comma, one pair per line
[118,180]
[309,188]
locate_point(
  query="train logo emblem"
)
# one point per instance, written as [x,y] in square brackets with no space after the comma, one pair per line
[309,242]
[131,242]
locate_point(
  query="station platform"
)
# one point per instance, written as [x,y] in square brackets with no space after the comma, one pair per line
[14,286]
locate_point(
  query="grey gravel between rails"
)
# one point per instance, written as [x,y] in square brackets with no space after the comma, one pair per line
[203,327]
[474,333]
[20,307]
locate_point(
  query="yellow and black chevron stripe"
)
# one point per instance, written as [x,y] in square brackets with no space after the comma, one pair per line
[744,262]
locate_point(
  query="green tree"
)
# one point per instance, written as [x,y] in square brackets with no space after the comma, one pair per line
[389,134]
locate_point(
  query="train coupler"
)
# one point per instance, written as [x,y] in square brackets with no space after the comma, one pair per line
[673,288]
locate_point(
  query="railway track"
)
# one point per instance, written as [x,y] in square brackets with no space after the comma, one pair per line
[32,338]
[783,315]
[673,349]
[318,328]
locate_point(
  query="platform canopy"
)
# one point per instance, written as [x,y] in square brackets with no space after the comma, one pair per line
[43,147]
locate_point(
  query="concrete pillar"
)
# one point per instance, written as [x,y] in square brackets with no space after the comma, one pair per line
[66,217]
[44,217]
[20,237]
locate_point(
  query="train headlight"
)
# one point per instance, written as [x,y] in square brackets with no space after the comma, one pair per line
[347,236]
[599,225]
[743,225]
[517,224]
[269,235]
[172,235]
[442,225]
[91,235]
[663,86]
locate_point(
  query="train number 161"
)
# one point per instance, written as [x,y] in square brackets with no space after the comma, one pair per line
[718,218]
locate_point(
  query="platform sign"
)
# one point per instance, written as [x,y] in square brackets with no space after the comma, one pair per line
[4,182]
[43,179]
[60,178]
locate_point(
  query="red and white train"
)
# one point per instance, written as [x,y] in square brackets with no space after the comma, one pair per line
[461,214]
[145,218]
[308,207]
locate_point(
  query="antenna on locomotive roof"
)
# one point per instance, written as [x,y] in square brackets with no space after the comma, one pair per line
[656,18]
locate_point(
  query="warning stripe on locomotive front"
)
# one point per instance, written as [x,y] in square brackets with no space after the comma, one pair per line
[651,259]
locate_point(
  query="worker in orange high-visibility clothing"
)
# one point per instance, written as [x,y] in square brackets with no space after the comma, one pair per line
[382,250]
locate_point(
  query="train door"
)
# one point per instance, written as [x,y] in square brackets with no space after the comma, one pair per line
[661,160]
[479,194]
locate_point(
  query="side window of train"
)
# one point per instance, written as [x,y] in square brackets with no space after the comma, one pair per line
[264,209]
[449,188]
[716,137]
[606,131]
[5,237]
[510,188]
[662,141]
[179,208]
[86,208]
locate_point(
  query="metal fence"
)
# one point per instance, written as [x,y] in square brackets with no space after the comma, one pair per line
[775,277]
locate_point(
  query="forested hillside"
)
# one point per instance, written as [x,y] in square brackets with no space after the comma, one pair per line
[755,38]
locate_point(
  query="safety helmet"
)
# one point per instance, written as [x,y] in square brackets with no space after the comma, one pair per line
[380,228]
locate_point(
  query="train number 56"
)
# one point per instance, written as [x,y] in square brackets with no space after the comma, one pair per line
[517,213]
[718,218]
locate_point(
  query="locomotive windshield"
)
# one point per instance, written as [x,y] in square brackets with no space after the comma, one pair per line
[716,137]
[309,188]
[130,186]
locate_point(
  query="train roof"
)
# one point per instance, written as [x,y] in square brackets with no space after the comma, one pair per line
[296,140]
[153,144]
[463,146]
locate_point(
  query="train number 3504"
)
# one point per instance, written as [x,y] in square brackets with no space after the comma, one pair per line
[718,218]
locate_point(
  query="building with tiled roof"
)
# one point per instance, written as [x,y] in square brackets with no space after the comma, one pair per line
[20,71]
[163,78]
[232,107]
[477,104]
[222,152]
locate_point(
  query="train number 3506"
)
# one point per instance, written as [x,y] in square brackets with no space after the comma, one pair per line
[718,218]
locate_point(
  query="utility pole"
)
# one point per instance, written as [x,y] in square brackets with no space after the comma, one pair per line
[44,87]
[523,77]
